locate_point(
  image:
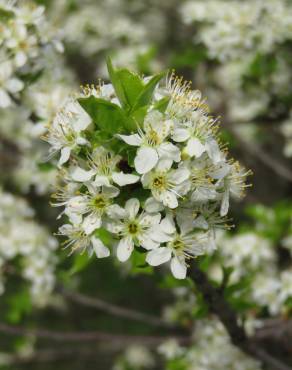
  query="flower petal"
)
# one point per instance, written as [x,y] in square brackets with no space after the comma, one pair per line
[213,151]
[152,206]
[125,249]
[158,256]
[195,147]
[180,134]
[91,223]
[79,174]
[132,207]
[122,179]
[116,212]
[145,159]
[99,248]
[178,268]
[131,139]
[101,181]
[65,155]
[169,199]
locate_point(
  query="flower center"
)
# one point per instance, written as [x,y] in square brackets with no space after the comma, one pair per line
[153,138]
[132,227]
[99,202]
[177,244]
[159,182]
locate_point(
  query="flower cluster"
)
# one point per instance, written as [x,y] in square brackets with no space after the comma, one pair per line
[222,354]
[232,29]
[141,161]
[22,35]
[29,242]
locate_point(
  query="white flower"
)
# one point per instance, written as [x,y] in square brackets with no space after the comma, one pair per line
[65,132]
[134,229]
[78,239]
[103,165]
[180,246]
[152,143]
[197,133]
[8,84]
[167,184]
[89,208]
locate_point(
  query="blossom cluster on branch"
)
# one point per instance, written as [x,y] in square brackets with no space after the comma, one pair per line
[143,166]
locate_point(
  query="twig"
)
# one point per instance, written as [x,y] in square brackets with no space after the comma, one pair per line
[115,310]
[88,336]
[220,307]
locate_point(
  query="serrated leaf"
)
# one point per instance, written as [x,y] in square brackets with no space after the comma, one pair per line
[146,94]
[107,116]
[131,84]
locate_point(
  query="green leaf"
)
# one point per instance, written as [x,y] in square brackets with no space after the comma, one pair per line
[131,84]
[107,116]
[127,85]
[146,94]
[162,104]
[81,260]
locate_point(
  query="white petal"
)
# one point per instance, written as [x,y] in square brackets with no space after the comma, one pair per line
[213,151]
[65,155]
[101,181]
[125,249]
[180,175]
[225,204]
[170,151]
[145,159]
[5,100]
[169,199]
[131,139]
[147,243]
[14,85]
[91,223]
[178,268]
[150,220]
[201,223]
[116,212]
[79,174]
[152,206]
[195,147]
[122,179]
[203,194]
[180,135]
[167,225]
[158,256]
[110,191]
[132,207]
[99,248]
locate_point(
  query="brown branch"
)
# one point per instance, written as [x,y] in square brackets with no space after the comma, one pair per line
[219,306]
[115,310]
[88,336]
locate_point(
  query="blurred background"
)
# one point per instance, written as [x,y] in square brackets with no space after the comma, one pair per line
[239,55]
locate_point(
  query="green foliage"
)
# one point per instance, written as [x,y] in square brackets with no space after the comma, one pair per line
[108,117]
[5,15]
[273,223]
[19,305]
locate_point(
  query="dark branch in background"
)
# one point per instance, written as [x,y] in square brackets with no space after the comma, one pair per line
[114,310]
[219,306]
[88,336]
